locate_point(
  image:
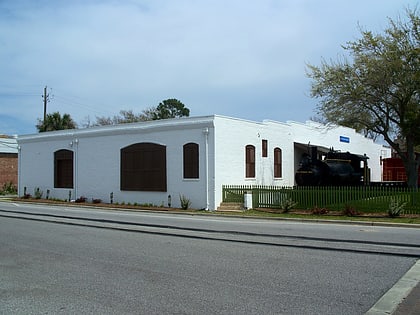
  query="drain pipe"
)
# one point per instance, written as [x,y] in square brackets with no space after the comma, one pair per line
[75,144]
[76,183]
[206,135]
[19,171]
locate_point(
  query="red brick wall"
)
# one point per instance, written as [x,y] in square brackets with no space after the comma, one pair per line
[8,168]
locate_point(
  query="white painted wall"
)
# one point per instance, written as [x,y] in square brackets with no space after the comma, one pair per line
[222,142]
[232,135]
[97,161]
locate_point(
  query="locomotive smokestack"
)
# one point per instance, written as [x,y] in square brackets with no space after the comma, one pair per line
[314,154]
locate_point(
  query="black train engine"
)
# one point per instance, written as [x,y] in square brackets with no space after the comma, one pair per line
[335,169]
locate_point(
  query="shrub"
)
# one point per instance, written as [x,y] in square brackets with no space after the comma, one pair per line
[81,199]
[8,189]
[38,193]
[395,208]
[185,202]
[287,204]
[349,211]
[319,211]
[95,200]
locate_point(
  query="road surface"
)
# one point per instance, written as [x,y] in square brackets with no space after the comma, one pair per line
[67,260]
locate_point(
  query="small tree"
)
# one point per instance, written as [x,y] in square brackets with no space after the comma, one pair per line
[124,117]
[170,108]
[379,92]
[55,121]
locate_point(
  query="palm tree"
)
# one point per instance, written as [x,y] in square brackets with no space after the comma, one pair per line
[54,121]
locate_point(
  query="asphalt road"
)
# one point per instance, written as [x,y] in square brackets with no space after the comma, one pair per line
[103,262]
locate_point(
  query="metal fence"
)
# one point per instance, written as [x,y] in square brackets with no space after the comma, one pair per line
[362,198]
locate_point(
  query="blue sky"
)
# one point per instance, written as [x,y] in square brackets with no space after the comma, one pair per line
[240,58]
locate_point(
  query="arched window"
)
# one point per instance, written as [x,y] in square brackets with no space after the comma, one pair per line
[249,161]
[277,163]
[63,169]
[143,167]
[191,160]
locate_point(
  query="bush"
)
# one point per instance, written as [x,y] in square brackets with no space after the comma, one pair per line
[350,211]
[81,199]
[38,193]
[319,211]
[395,208]
[287,204]
[185,202]
[95,200]
[8,189]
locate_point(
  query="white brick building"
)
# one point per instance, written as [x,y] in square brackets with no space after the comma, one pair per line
[148,161]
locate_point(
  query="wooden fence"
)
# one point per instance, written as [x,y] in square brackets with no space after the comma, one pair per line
[362,198]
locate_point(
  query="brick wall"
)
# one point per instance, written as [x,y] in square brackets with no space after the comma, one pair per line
[8,168]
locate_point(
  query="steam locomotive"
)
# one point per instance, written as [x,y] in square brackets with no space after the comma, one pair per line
[335,169]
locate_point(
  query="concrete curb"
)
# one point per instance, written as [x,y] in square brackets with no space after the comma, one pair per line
[216,213]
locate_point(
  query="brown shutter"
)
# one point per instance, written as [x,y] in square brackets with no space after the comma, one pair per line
[143,167]
[250,161]
[191,160]
[277,163]
[63,169]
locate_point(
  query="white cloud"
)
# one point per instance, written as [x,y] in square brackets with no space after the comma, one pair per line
[226,57]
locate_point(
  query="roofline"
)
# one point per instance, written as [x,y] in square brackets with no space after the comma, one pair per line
[128,128]
[8,145]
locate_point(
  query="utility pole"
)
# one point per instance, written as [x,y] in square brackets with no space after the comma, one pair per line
[46,99]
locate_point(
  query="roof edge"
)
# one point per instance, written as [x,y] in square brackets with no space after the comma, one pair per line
[147,126]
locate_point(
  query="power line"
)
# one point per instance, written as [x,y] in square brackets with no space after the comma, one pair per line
[81,103]
[67,101]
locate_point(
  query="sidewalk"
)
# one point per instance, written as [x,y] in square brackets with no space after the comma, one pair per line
[403,298]
[411,304]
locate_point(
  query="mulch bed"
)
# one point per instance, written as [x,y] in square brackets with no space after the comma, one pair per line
[96,204]
[337,213]
[269,210]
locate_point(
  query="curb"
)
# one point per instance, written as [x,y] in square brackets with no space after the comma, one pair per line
[221,214]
